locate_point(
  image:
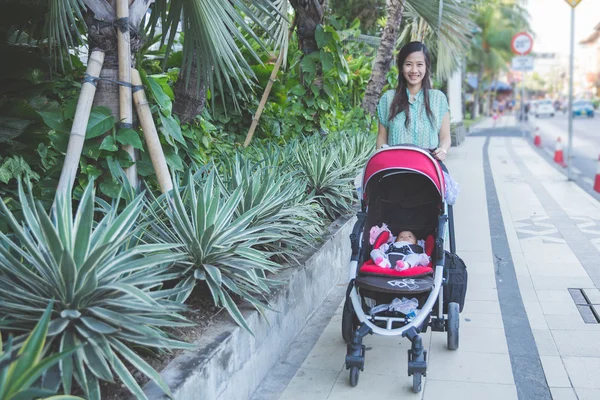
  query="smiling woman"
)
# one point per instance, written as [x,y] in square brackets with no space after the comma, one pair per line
[414,113]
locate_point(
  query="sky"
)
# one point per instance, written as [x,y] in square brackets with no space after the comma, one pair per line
[551,23]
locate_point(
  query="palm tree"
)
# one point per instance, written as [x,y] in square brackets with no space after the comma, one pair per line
[213,29]
[448,25]
[498,21]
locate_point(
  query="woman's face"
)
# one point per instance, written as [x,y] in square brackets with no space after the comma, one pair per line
[414,68]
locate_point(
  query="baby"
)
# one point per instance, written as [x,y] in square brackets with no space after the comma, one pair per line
[403,254]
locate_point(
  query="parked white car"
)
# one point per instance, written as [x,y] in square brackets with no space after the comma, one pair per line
[544,107]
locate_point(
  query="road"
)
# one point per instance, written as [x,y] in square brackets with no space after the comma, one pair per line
[586,143]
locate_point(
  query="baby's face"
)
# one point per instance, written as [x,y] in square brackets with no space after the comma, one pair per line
[406,236]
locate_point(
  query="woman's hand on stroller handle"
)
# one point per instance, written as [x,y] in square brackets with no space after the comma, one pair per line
[438,153]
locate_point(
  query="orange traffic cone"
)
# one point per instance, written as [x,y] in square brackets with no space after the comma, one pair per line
[537,140]
[558,154]
[597,179]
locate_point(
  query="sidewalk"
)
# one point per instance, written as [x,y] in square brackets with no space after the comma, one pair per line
[531,241]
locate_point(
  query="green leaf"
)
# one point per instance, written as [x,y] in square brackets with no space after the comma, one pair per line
[298,90]
[100,122]
[158,93]
[54,120]
[171,128]
[127,136]
[30,352]
[109,144]
[320,36]
[326,60]
[309,66]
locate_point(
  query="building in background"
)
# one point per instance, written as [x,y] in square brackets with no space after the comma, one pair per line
[589,64]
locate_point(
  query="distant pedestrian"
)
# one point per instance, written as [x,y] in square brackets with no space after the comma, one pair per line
[415,113]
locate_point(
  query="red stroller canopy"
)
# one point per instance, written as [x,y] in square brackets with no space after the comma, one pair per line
[404,158]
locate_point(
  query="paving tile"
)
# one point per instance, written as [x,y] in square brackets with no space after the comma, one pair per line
[587,394]
[542,282]
[476,292]
[481,320]
[559,308]
[475,257]
[583,371]
[536,317]
[473,339]
[563,393]
[553,269]
[310,383]
[463,366]
[545,342]
[555,372]
[575,343]
[593,294]
[374,386]
[438,389]
[554,296]
[326,355]
[389,361]
[482,306]
[570,322]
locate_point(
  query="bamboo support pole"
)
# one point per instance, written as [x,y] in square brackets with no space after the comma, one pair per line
[263,101]
[80,122]
[125,102]
[150,134]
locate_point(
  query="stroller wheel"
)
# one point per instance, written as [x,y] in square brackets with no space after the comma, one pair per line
[417,382]
[349,322]
[453,325]
[354,373]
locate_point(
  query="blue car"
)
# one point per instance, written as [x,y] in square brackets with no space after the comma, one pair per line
[583,108]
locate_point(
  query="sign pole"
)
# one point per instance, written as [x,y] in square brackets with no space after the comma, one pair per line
[570,109]
[522,103]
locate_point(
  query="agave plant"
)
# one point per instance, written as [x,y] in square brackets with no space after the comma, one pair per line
[285,210]
[354,149]
[328,181]
[107,290]
[21,368]
[219,246]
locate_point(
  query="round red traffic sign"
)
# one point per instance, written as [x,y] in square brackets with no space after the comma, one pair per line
[522,43]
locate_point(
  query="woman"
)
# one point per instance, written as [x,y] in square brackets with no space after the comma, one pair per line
[414,113]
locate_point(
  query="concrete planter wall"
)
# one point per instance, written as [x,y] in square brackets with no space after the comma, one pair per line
[230,363]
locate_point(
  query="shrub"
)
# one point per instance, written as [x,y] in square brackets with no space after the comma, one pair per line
[21,368]
[106,286]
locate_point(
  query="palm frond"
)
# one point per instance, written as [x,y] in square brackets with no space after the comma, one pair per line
[63,23]
[447,39]
[214,31]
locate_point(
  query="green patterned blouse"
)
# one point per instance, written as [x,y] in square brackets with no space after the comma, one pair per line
[420,131]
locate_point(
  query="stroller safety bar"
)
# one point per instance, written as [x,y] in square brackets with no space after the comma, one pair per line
[416,323]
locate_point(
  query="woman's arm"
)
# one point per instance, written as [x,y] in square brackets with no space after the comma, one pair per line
[444,139]
[382,136]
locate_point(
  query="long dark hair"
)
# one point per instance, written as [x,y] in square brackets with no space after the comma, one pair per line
[400,102]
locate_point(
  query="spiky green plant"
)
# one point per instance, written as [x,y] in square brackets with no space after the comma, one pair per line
[286,212]
[219,246]
[328,181]
[107,289]
[21,367]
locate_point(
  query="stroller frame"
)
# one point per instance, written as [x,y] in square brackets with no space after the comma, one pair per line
[367,324]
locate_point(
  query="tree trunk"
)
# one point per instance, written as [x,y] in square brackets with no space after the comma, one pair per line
[190,94]
[309,14]
[475,113]
[385,55]
[103,35]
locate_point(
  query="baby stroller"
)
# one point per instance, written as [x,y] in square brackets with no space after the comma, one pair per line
[403,186]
